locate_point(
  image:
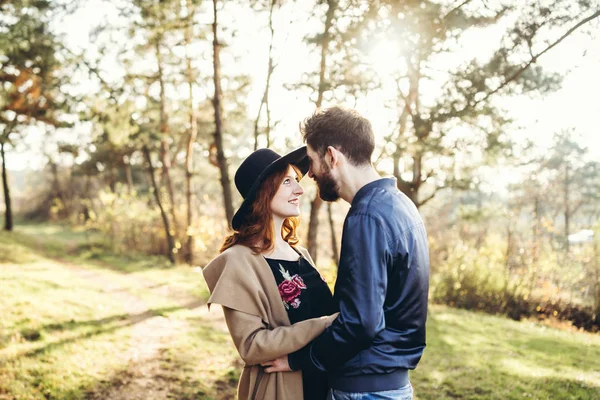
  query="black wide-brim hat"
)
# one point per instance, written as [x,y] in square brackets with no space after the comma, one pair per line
[253,171]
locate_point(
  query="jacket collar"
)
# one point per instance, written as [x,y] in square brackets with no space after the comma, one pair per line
[383,183]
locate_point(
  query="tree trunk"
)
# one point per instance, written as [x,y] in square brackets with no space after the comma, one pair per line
[313,223]
[567,211]
[129,176]
[170,240]
[596,286]
[269,74]
[221,160]
[265,97]
[536,229]
[403,186]
[536,243]
[56,185]
[313,227]
[507,265]
[334,248]
[8,217]
[164,131]
[411,109]
[408,189]
[189,246]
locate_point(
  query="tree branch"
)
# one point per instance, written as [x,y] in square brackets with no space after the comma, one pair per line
[94,71]
[431,196]
[406,101]
[534,58]
[458,7]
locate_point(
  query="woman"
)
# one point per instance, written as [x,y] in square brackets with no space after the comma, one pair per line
[274,300]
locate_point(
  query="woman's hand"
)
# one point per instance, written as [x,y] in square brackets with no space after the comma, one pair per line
[279,365]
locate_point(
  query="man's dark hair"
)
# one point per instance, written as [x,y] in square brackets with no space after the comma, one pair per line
[344,129]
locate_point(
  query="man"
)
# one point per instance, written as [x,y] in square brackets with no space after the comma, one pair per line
[383,275]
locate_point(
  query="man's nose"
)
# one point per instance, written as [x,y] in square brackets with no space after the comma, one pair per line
[310,174]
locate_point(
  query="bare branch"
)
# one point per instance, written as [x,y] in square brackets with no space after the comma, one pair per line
[94,70]
[455,9]
[534,58]
[428,198]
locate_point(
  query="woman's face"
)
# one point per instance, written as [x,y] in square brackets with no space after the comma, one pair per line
[286,202]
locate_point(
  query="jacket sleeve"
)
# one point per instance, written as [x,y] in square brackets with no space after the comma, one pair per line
[256,343]
[360,288]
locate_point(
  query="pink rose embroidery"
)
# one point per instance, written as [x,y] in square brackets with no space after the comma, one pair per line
[296,303]
[288,291]
[298,281]
[290,288]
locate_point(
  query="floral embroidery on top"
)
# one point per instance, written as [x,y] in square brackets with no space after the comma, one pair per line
[290,288]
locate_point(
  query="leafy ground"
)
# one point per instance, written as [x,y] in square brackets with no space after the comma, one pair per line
[79,323]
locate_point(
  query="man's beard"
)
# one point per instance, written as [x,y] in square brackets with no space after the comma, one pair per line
[328,187]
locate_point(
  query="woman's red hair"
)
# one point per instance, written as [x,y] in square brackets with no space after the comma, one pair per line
[257,230]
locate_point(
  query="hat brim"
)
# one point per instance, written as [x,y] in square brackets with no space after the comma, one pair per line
[297,158]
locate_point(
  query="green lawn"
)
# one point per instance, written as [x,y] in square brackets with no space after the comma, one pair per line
[477,356]
[79,323]
[72,317]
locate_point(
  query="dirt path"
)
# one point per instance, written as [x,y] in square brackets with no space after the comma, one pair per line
[145,377]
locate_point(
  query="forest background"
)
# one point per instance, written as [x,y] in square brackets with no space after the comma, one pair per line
[126,120]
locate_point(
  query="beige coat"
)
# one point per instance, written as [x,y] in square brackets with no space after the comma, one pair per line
[242,282]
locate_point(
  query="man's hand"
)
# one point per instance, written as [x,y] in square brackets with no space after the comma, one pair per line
[279,365]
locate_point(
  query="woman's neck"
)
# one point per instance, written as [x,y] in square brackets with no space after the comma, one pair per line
[281,248]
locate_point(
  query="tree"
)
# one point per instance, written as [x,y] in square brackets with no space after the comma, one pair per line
[265,97]
[30,77]
[566,164]
[427,34]
[218,109]
[190,10]
[158,19]
[8,221]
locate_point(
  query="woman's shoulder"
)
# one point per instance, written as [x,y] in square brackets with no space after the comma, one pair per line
[232,263]
[233,254]
[237,250]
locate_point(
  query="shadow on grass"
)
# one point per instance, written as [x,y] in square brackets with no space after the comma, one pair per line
[36,284]
[155,312]
[127,319]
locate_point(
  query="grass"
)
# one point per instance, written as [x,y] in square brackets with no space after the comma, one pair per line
[478,356]
[65,323]
[69,322]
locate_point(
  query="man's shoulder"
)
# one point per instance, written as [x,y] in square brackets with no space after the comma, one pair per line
[390,207]
[378,202]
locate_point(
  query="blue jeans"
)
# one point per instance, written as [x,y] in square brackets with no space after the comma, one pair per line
[404,393]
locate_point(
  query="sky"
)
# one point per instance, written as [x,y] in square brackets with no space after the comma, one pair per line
[575,106]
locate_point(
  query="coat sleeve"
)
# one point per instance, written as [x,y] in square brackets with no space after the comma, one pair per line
[256,343]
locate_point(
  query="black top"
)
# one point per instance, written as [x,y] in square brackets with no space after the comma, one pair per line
[305,295]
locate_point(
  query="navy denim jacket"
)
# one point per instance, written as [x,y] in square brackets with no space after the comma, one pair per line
[382,290]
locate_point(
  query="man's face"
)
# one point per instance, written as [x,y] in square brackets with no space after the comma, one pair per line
[321,173]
